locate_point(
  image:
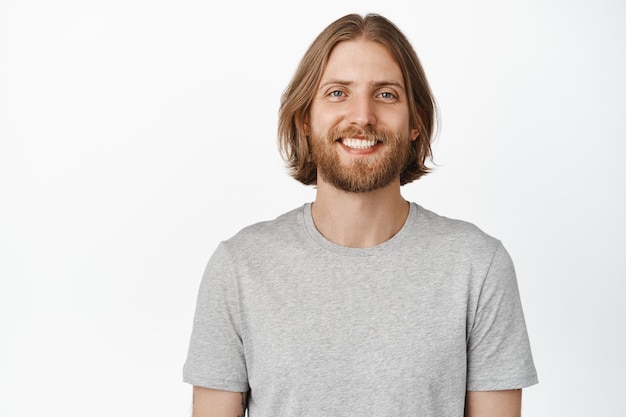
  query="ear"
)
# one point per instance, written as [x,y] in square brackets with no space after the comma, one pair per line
[305,125]
[414,134]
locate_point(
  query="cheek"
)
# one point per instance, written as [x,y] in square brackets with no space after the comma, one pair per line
[396,118]
[323,117]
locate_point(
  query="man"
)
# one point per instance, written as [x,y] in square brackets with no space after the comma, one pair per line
[361,303]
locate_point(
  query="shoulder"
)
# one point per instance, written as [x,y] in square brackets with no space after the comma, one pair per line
[256,244]
[453,234]
[269,232]
[461,245]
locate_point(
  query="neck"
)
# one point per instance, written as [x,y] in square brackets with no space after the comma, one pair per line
[359,220]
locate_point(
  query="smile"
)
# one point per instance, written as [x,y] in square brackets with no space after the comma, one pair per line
[354,143]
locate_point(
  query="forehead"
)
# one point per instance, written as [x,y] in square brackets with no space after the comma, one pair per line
[356,59]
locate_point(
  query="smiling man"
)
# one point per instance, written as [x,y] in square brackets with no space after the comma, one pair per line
[360,303]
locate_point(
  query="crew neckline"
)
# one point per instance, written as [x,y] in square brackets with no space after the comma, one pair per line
[394,241]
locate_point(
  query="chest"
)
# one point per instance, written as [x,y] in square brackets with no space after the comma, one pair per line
[354,322]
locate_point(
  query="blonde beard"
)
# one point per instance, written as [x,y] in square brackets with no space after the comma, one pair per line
[364,174]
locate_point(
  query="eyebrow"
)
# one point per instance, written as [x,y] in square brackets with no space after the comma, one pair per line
[387,84]
[376,84]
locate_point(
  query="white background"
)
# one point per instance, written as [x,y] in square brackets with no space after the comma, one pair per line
[137,134]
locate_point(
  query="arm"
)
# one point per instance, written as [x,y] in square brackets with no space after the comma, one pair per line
[507,403]
[216,403]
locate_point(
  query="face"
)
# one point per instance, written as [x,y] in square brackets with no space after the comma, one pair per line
[359,119]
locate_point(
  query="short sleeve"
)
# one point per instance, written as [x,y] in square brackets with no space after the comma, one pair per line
[498,350]
[216,357]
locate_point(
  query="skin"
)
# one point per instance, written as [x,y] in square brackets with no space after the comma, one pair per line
[361,96]
[372,94]
[506,403]
[217,403]
[362,88]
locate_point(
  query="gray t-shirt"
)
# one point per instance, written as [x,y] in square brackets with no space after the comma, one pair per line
[404,328]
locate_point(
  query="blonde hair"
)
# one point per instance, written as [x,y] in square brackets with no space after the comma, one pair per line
[297,97]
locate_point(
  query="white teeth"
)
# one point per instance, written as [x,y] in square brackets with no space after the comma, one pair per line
[358,143]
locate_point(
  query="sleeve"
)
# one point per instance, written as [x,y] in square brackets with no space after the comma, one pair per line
[498,348]
[216,357]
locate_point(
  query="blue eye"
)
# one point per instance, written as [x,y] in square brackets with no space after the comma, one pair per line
[336,93]
[387,94]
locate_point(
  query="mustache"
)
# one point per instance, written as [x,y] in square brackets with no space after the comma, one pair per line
[369,133]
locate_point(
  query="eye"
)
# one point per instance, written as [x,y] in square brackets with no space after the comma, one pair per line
[336,95]
[387,95]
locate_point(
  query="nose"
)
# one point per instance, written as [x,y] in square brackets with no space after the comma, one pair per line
[362,111]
